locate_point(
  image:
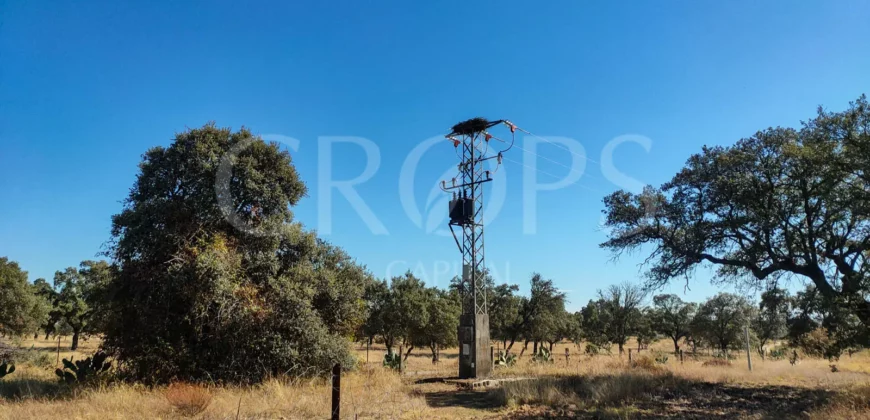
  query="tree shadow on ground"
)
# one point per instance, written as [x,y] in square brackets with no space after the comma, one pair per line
[653,396]
[461,398]
[16,389]
[434,380]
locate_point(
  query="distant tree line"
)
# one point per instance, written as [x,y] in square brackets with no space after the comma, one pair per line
[404,311]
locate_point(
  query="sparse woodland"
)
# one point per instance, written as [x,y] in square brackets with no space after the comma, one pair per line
[213,301]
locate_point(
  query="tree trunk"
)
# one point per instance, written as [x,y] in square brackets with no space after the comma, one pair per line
[676,345]
[525,346]
[75,340]
[620,347]
[551,347]
[408,353]
[507,348]
[389,343]
[535,347]
[434,348]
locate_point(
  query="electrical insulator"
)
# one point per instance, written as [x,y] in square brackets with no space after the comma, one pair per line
[454,181]
[487,175]
[499,158]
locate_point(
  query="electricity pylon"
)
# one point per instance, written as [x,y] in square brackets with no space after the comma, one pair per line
[466,213]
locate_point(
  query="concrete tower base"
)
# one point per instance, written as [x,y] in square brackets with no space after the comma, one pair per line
[475,358]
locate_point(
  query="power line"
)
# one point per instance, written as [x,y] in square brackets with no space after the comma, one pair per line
[549,174]
[557,144]
[557,163]
[548,159]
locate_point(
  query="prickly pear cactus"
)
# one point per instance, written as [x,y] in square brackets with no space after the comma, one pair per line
[6,369]
[505,359]
[542,356]
[392,361]
[83,370]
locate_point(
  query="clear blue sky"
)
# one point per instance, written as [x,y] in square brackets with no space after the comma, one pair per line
[87,87]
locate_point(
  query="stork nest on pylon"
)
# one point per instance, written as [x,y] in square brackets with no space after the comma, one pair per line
[472,126]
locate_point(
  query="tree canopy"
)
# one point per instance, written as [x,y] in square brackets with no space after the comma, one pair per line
[770,322]
[782,203]
[215,279]
[721,321]
[672,317]
[615,316]
[22,311]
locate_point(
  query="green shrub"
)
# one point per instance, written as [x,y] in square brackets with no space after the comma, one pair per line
[777,354]
[33,357]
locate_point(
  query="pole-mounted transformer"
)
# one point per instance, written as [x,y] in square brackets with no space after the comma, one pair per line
[466,214]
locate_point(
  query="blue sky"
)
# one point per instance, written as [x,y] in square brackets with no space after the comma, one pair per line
[86,88]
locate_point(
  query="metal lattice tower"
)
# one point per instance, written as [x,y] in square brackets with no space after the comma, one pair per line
[473,177]
[466,213]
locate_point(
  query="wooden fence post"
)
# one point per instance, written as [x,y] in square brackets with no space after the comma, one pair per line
[681,356]
[57,363]
[748,350]
[629,355]
[336,392]
[566,355]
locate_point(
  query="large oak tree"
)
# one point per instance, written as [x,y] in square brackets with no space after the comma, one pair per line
[782,203]
[215,279]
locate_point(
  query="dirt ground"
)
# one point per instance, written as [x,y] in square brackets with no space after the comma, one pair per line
[773,389]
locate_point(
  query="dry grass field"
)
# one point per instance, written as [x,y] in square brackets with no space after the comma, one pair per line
[583,387]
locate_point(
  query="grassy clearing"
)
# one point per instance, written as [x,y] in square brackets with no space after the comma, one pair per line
[603,386]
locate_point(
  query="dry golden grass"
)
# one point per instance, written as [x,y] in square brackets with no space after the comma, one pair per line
[849,403]
[367,393]
[606,383]
[717,362]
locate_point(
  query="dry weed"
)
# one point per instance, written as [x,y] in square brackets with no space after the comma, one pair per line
[717,362]
[646,363]
[188,399]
